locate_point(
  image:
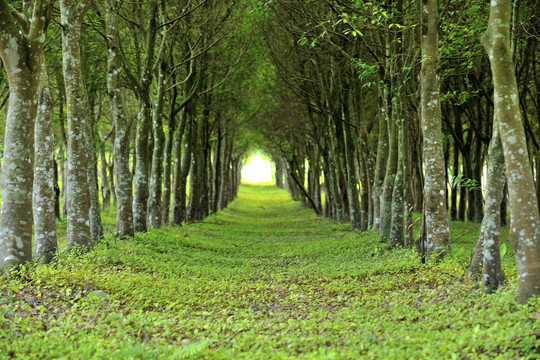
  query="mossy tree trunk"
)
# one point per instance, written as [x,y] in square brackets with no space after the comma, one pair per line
[142,85]
[154,201]
[525,220]
[45,239]
[21,50]
[78,203]
[436,215]
[124,186]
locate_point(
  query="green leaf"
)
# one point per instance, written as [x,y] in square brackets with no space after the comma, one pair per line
[503,250]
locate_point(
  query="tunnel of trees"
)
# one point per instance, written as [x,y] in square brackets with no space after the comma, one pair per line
[370,112]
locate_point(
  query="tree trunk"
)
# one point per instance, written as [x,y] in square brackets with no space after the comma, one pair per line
[78,203]
[437,230]
[493,276]
[167,159]
[181,169]
[22,56]
[124,189]
[352,181]
[142,153]
[525,220]
[154,200]
[396,236]
[105,189]
[388,186]
[218,164]
[45,242]
[96,228]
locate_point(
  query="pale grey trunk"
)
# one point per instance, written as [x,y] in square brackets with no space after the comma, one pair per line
[105,189]
[380,167]
[383,147]
[195,178]
[124,187]
[225,170]
[525,220]
[78,199]
[96,228]
[388,185]
[355,215]
[181,169]
[140,196]
[22,56]
[154,200]
[45,239]
[436,216]
[141,193]
[167,160]
[490,234]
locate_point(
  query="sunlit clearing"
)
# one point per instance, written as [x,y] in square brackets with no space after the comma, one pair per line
[258,169]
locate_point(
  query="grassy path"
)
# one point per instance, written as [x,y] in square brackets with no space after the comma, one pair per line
[264,279]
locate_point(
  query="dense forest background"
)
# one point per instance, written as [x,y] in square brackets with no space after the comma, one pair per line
[401,127]
[370,111]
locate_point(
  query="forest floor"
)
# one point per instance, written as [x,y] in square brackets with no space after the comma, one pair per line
[264,279]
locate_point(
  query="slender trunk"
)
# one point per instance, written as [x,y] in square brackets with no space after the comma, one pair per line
[154,200]
[78,201]
[388,186]
[96,228]
[525,220]
[56,189]
[355,215]
[195,178]
[45,242]
[166,203]
[217,166]
[124,189]
[182,168]
[455,188]
[380,166]
[407,187]
[437,229]
[396,228]
[493,276]
[142,153]
[105,189]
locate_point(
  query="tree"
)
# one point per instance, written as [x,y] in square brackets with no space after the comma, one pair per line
[22,37]
[78,202]
[124,188]
[525,220]
[45,243]
[435,213]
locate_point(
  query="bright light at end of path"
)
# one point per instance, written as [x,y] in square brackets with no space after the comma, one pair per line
[258,169]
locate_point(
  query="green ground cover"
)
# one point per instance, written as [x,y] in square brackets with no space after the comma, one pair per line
[264,279]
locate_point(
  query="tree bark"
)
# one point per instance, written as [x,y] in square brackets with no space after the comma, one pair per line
[355,214]
[437,229]
[141,193]
[96,227]
[45,240]
[167,158]
[154,200]
[21,51]
[78,203]
[525,220]
[124,187]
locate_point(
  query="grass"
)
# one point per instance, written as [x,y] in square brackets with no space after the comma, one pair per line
[264,279]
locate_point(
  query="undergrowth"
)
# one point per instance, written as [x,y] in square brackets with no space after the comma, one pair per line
[262,279]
